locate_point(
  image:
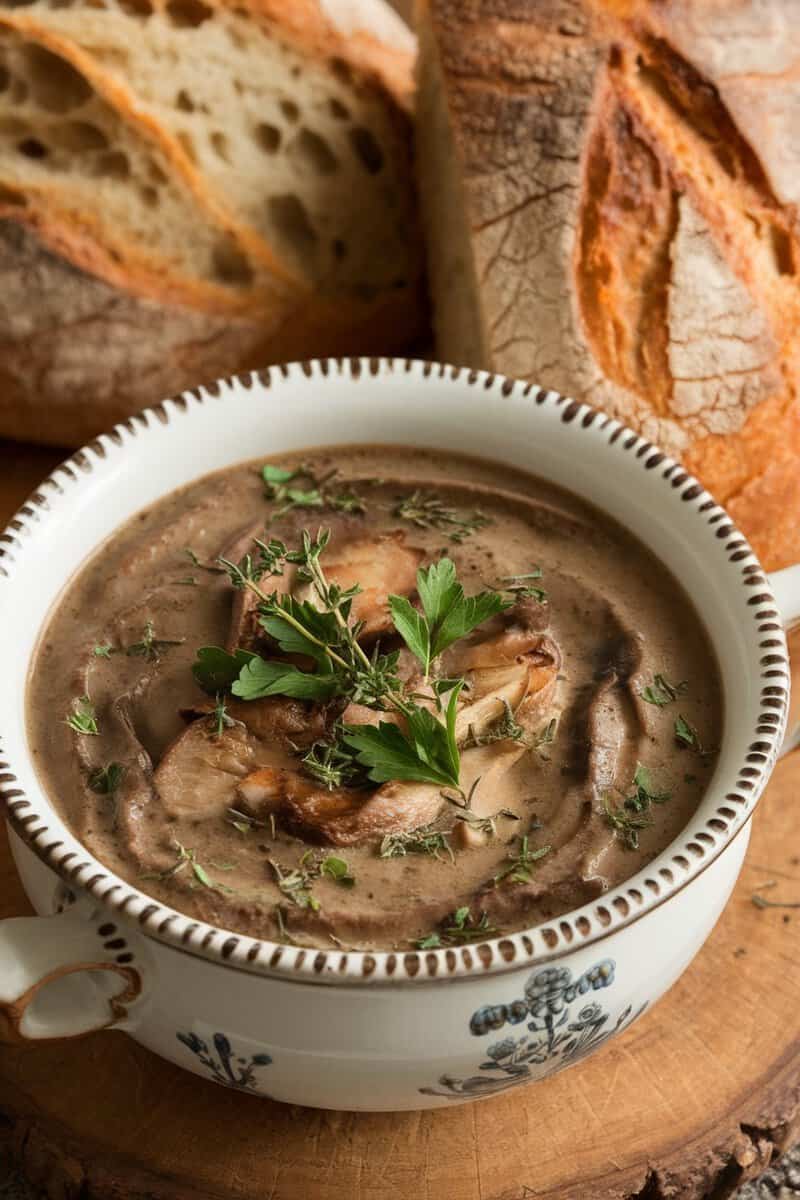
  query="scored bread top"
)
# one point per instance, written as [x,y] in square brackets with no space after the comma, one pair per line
[261,111]
[623,239]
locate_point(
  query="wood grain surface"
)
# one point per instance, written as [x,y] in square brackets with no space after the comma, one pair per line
[692,1101]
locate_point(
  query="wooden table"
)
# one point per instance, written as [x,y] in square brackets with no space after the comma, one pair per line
[694,1099]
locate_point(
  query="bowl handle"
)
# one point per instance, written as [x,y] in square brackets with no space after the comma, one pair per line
[786,587]
[55,984]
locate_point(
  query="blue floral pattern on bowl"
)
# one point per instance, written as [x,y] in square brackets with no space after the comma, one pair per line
[559,1038]
[223,1064]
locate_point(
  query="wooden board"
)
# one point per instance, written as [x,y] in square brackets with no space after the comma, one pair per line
[693,1100]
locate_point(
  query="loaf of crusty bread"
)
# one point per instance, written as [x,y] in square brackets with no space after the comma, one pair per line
[610,192]
[234,176]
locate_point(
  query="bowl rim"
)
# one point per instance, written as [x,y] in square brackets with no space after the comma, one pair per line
[36,821]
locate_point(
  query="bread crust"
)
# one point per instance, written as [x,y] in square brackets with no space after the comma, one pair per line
[78,355]
[633,230]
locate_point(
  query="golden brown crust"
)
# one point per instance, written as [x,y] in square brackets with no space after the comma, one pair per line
[632,221]
[77,355]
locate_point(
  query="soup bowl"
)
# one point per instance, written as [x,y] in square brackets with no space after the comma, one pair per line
[392,1030]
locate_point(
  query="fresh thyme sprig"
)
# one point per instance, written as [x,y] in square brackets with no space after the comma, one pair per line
[83,718]
[332,763]
[520,865]
[485,825]
[662,692]
[426,510]
[425,749]
[150,647]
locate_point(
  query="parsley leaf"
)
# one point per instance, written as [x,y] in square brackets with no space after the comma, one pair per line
[215,669]
[260,677]
[448,613]
[428,755]
[322,626]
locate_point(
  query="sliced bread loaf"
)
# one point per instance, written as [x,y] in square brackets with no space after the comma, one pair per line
[102,191]
[260,107]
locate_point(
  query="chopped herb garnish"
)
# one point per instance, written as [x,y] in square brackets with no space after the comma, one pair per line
[521,587]
[317,492]
[188,858]
[545,737]
[505,728]
[296,883]
[104,650]
[633,815]
[338,870]
[625,824]
[106,780]
[519,869]
[644,793]
[280,921]
[83,718]
[150,647]
[244,823]
[459,929]
[417,841]
[425,749]
[485,825]
[687,735]
[426,510]
[661,692]
[187,581]
[431,942]
[332,764]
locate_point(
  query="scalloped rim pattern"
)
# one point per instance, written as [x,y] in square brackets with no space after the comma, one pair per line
[33,818]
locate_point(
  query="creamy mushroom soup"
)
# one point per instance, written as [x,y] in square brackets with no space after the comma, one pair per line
[374,697]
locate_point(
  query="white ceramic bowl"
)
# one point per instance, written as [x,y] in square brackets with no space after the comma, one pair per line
[388,1030]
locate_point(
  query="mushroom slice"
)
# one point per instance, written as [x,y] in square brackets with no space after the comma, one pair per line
[349,816]
[342,816]
[529,679]
[201,770]
[381,566]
